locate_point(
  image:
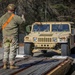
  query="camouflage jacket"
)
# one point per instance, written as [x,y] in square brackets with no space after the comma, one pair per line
[12,27]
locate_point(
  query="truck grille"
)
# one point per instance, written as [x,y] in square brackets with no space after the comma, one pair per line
[44,39]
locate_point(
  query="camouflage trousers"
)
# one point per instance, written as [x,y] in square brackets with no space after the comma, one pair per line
[10,45]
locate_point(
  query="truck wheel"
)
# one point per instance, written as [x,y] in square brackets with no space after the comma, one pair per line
[28,49]
[65,51]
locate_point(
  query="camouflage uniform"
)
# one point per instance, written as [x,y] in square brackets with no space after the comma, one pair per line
[10,36]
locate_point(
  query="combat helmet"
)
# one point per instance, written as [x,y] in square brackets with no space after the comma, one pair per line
[11,7]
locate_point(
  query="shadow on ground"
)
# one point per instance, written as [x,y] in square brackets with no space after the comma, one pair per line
[73,50]
[48,54]
[72,70]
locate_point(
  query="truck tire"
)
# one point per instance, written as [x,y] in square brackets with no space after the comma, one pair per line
[65,51]
[28,49]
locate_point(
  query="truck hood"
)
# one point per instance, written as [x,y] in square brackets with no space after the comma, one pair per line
[60,34]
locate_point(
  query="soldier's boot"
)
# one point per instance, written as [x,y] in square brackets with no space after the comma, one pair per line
[5,65]
[13,66]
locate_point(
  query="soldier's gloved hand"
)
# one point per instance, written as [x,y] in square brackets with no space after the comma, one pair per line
[23,17]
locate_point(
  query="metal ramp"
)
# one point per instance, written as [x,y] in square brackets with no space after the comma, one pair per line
[37,66]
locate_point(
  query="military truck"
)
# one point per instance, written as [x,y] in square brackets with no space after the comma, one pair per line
[50,35]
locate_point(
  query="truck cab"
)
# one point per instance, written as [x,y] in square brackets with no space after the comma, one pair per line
[50,35]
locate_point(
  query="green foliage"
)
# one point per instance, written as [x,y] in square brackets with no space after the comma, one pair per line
[60,7]
[0,0]
[42,10]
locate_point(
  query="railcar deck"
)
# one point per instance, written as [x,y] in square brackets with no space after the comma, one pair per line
[38,66]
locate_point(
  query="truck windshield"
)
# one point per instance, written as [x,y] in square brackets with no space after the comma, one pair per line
[60,27]
[43,27]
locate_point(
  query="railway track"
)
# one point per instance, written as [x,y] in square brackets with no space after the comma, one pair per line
[37,66]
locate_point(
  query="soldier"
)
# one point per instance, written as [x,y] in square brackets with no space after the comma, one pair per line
[9,22]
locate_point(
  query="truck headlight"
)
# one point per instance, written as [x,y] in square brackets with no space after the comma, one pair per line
[34,39]
[54,39]
[63,39]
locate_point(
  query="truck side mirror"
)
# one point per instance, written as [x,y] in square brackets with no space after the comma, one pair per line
[28,28]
